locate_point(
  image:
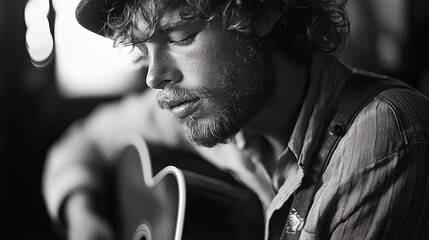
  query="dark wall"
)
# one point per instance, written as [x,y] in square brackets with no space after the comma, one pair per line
[32,117]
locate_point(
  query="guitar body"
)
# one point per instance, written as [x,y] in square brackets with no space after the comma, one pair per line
[197,203]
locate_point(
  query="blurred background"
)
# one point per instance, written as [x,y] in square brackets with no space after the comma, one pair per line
[53,72]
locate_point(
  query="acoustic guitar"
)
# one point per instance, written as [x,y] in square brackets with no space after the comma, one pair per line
[192,201]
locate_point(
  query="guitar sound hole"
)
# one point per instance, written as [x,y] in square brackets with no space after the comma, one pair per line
[143,238]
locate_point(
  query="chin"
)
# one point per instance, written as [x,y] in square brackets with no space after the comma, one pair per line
[209,133]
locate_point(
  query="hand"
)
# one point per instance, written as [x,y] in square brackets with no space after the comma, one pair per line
[83,222]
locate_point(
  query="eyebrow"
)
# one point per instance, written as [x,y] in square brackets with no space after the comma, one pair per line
[169,27]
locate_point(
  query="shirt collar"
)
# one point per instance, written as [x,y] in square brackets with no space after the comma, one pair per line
[326,78]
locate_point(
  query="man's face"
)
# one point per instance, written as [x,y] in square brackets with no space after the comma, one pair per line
[211,79]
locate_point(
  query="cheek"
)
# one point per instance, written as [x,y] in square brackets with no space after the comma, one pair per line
[210,63]
[196,68]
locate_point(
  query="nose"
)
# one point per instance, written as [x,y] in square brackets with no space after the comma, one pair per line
[162,70]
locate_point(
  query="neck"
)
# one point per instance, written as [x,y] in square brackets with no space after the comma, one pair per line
[277,118]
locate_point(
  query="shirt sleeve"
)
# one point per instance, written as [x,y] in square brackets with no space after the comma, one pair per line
[78,160]
[386,200]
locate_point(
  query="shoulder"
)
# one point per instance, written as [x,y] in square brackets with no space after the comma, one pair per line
[380,161]
[390,133]
[396,117]
[394,120]
[410,110]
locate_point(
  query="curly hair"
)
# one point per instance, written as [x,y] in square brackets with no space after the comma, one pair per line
[306,25]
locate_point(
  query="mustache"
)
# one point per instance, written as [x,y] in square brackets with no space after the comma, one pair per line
[179,94]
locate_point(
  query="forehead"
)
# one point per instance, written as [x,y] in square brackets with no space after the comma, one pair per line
[164,20]
[157,16]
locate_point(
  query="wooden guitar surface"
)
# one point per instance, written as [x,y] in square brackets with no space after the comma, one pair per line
[179,204]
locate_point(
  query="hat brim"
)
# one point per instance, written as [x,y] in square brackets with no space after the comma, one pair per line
[92,14]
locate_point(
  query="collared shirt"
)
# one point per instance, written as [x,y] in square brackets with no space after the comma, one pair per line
[375,183]
[327,76]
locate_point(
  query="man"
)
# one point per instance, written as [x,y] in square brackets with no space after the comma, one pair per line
[331,153]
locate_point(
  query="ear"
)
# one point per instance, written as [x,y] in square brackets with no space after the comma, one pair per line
[267,20]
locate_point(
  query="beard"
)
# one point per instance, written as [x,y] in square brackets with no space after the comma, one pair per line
[239,93]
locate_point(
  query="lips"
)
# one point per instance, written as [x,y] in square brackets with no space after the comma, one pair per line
[182,109]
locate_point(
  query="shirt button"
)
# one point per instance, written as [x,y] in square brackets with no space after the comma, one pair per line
[336,129]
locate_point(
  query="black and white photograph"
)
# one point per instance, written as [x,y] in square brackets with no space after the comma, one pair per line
[214,119]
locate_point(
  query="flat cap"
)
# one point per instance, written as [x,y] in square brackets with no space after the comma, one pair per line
[92,14]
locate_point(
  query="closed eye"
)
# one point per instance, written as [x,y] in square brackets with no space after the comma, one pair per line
[186,41]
